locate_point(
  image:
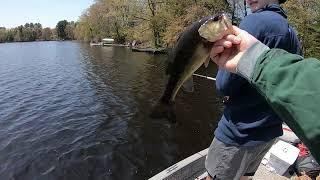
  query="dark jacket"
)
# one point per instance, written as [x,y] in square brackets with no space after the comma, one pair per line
[247,119]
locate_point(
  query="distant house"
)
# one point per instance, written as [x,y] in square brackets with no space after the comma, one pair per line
[107,41]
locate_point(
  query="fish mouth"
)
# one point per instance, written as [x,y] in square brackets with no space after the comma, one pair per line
[221,16]
[215,27]
[215,18]
[226,22]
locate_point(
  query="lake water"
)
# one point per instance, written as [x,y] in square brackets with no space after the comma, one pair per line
[71,111]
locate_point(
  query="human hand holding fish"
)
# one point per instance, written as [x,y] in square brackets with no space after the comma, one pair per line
[211,37]
[227,51]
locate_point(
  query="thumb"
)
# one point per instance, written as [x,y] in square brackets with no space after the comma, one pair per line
[236,31]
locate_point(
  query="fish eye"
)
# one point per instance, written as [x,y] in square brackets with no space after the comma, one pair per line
[213,18]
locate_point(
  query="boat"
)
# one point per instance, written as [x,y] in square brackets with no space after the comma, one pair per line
[193,168]
[106,41]
[189,168]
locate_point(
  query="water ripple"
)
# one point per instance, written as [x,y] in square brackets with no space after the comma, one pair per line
[71,111]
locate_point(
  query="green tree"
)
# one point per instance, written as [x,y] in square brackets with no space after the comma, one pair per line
[19,36]
[105,18]
[38,30]
[117,17]
[3,35]
[10,35]
[156,23]
[61,26]
[27,32]
[69,30]
[180,14]
[46,34]
[82,30]
[304,16]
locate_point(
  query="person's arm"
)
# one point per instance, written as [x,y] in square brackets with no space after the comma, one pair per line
[289,83]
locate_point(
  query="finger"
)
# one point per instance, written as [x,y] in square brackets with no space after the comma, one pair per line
[223,42]
[236,31]
[224,57]
[233,39]
[215,59]
[216,50]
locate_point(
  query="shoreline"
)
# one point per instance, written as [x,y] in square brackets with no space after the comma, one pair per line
[34,41]
[133,48]
[150,50]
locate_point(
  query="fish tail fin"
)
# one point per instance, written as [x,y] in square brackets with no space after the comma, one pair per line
[164,110]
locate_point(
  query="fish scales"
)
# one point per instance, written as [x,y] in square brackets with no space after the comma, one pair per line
[190,52]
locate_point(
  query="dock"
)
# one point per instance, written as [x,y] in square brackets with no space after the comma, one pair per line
[116,45]
[107,44]
[150,50]
[96,44]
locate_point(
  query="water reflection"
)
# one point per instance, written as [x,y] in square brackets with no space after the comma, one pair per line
[71,111]
[155,144]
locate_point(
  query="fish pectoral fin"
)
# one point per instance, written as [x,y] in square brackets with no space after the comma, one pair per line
[206,63]
[188,85]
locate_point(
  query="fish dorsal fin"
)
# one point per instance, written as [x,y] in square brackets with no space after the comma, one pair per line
[206,62]
[188,85]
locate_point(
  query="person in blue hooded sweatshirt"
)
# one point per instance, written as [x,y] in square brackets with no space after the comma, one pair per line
[248,126]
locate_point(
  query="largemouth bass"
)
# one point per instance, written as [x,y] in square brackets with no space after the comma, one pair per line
[190,52]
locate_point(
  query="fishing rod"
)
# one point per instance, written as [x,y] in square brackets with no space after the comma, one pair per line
[206,77]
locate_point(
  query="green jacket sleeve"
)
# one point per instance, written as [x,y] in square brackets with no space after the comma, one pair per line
[291,85]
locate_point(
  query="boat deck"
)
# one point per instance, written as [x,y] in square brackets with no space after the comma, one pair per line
[193,168]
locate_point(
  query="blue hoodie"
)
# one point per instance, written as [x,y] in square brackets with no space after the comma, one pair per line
[247,119]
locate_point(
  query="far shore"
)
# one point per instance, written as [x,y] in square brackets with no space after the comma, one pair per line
[36,41]
[133,48]
[136,48]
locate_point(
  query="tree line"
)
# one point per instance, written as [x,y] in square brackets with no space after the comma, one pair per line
[158,23]
[34,32]
[304,15]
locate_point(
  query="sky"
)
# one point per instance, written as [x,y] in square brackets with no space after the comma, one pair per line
[47,12]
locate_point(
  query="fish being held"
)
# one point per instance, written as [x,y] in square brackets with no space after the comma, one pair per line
[191,51]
